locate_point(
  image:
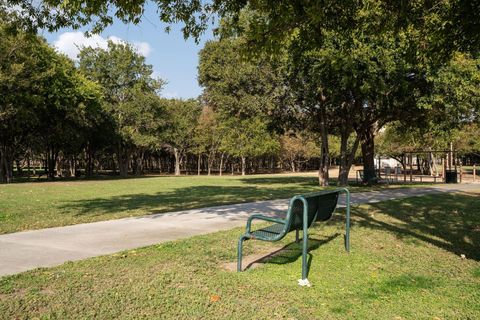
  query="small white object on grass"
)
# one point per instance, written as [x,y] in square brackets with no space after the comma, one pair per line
[304,283]
[463,256]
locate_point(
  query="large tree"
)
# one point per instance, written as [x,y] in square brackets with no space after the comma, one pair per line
[129,91]
[182,120]
[45,103]
[23,65]
[208,137]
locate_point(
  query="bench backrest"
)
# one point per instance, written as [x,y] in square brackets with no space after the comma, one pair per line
[320,206]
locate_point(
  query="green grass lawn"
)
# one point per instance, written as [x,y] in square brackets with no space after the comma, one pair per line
[405,264]
[25,206]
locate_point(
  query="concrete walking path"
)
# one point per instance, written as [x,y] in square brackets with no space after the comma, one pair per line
[27,250]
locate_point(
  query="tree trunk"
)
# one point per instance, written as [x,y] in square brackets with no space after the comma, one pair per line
[221,164]
[346,157]
[114,165]
[73,167]
[209,164]
[90,161]
[5,176]
[138,162]
[51,162]
[433,165]
[59,166]
[29,173]
[34,164]
[368,155]
[19,168]
[243,165]
[123,159]
[198,164]
[324,154]
[176,153]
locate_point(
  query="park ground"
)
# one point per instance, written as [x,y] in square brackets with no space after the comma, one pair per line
[412,258]
[406,263]
[36,205]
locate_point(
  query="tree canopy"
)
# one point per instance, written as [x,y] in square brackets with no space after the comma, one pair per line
[442,26]
[281,77]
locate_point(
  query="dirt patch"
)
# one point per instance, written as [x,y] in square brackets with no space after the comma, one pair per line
[254,261]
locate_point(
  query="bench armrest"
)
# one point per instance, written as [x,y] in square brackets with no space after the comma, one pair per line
[263,218]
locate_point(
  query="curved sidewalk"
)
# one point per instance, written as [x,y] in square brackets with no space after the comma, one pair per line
[27,250]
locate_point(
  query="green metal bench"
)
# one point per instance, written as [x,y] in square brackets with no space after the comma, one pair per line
[303,211]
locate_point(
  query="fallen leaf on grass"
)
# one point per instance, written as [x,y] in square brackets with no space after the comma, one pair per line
[214,298]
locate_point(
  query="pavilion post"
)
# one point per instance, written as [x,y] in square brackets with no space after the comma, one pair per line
[450,157]
[444,166]
[474,172]
[455,161]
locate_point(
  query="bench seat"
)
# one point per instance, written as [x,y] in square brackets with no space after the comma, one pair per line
[270,232]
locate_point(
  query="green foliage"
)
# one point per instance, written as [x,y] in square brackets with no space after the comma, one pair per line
[182,120]
[454,96]
[297,147]
[208,133]
[248,138]
[465,139]
[145,119]
[45,102]
[237,86]
[396,139]
[244,94]
[441,27]
[129,90]
[451,112]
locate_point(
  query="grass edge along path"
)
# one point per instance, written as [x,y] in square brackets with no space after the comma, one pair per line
[30,206]
[405,264]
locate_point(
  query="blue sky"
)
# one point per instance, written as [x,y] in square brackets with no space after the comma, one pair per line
[173,58]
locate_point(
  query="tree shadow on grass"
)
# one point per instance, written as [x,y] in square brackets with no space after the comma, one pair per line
[305,181]
[448,221]
[291,252]
[299,180]
[178,199]
[101,177]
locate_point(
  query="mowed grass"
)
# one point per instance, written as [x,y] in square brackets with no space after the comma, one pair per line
[25,206]
[405,263]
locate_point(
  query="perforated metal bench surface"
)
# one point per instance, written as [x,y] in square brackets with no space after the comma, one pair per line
[271,231]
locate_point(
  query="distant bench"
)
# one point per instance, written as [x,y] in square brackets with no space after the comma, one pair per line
[303,211]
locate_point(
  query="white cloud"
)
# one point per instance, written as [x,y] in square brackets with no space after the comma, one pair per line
[71,42]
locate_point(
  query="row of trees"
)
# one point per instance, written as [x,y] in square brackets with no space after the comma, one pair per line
[305,70]
[105,112]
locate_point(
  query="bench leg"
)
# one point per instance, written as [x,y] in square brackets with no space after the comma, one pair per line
[304,253]
[347,224]
[239,253]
